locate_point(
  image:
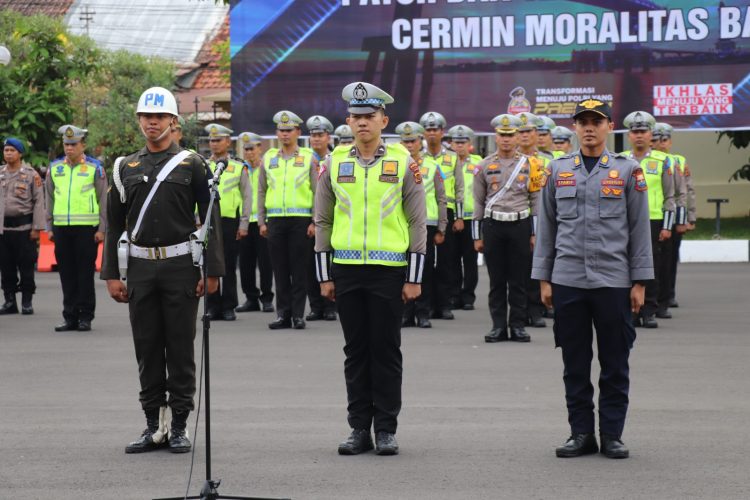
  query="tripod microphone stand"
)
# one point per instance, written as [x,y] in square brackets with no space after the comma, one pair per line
[209,491]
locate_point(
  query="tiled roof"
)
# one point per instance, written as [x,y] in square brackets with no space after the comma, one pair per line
[211,77]
[54,8]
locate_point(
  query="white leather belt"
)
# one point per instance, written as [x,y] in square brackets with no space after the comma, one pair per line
[507,216]
[157,253]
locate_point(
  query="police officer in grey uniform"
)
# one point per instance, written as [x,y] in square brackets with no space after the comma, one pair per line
[345,134]
[592,255]
[162,285]
[561,137]
[506,188]
[370,277]
[21,218]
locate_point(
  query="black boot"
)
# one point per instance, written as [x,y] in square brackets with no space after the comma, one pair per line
[178,436]
[10,306]
[152,438]
[26,307]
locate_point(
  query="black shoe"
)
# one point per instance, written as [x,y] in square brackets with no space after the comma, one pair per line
[673,303]
[148,441]
[548,313]
[424,323]
[408,322]
[214,315]
[578,445]
[314,316]
[228,315]
[537,322]
[10,306]
[67,326]
[496,335]
[280,323]
[298,323]
[664,314]
[468,307]
[26,307]
[649,322]
[330,316]
[446,314]
[267,307]
[248,306]
[359,441]
[84,325]
[178,437]
[385,443]
[456,305]
[519,335]
[613,447]
[636,321]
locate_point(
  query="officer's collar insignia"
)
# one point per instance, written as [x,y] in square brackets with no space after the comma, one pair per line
[604,160]
[380,151]
[565,175]
[614,174]
[577,160]
[360,92]
[69,132]
[133,164]
[353,151]
[591,104]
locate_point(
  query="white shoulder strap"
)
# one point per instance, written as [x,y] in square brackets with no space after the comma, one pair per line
[176,159]
[505,188]
[117,180]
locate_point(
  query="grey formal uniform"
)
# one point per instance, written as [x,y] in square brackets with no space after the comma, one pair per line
[506,228]
[592,244]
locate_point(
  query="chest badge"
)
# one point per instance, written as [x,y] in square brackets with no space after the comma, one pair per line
[565,175]
[346,172]
[390,168]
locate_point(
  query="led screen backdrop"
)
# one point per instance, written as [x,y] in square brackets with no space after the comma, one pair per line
[685,61]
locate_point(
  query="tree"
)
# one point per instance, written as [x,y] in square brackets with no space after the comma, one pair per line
[36,86]
[740,139]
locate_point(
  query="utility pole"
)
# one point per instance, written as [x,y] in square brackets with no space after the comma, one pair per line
[86,17]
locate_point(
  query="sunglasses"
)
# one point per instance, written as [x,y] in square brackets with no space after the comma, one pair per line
[249,148]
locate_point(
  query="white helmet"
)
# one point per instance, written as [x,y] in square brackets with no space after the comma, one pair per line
[157,100]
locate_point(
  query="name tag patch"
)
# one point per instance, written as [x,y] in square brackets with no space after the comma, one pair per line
[565,182]
[613,182]
[393,179]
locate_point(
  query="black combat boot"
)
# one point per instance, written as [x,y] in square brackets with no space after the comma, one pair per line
[178,436]
[26,307]
[10,306]
[152,438]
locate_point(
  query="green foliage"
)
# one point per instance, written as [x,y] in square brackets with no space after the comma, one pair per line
[739,139]
[36,86]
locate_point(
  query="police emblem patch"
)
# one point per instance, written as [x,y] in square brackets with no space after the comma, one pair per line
[390,168]
[68,132]
[360,92]
[346,169]
[274,162]
[614,174]
[495,186]
[407,129]
[591,104]
[60,170]
[284,118]
[652,167]
[299,161]
[446,160]
[424,171]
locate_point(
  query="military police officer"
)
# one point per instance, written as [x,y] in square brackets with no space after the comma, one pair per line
[370,269]
[506,188]
[21,219]
[151,215]
[76,186]
[593,254]
[447,264]
[236,199]
[461,140]
[345,134]
[254,248]
[417,313]
[658,172]
[320,129]
[286,187]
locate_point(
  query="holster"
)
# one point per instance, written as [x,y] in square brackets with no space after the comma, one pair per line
[123,253]
[196,247]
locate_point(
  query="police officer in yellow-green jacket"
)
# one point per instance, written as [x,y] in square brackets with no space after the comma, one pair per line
[235,200]
[286,188]
[461,140]
[370,218]
[76,188]
[561,141]
[658,173]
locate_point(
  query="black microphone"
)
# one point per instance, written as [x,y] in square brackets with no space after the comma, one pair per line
[221,165]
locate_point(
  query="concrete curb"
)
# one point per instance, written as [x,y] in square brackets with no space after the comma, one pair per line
[715,251]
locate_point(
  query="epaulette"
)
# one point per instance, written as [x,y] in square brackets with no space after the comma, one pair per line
[618,156]
[658,155]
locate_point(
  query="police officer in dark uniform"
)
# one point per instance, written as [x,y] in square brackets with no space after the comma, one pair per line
[592,255]
[163,284]
[370,218]
[21,219]
[76,187]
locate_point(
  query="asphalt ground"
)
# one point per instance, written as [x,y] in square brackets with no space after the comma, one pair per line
[479,421]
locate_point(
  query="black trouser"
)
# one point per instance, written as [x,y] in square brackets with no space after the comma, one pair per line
[225,298]
[657,290]
[254,250]
[163,309]
[287,244]
[422,307]
[369,303]
[75,252]
[675,260]
[507,254]
[469,273]
[317,302]
[18,255]
[448,278]
[609,311]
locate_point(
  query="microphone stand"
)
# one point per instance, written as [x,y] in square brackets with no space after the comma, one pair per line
[210,488]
